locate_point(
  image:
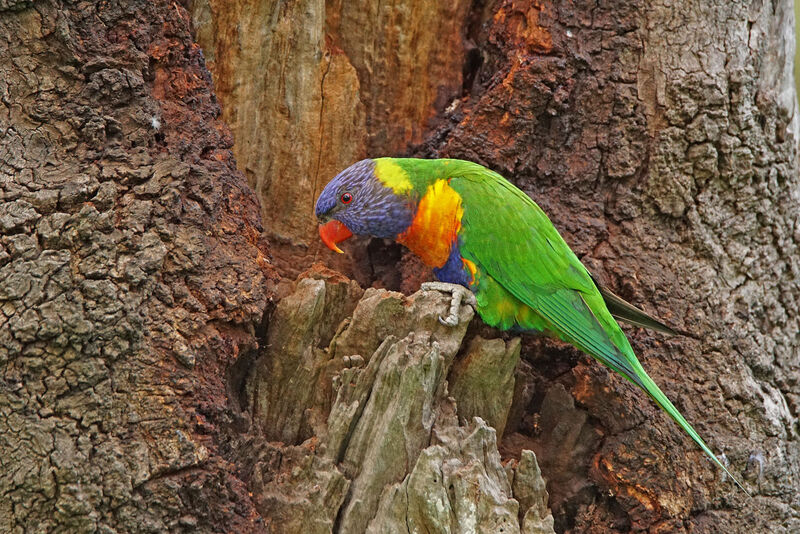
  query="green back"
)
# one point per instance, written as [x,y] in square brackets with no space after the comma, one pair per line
[524,262]
[511,238]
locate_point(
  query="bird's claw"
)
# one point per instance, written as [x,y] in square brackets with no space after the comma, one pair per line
[459,295]
[450,320]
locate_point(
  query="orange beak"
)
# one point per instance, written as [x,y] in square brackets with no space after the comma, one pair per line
[334,232]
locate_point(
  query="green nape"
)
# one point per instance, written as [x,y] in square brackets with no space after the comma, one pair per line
[404,174]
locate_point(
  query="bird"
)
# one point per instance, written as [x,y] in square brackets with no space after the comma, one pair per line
[492,247]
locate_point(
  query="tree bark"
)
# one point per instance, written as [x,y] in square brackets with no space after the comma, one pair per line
[132,275]
[163,371]
[662,139]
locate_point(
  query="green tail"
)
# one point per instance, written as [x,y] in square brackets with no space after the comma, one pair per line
[612,349]
[657,395]
[629,367]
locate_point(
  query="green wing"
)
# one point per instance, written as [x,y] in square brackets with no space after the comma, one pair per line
[511,239]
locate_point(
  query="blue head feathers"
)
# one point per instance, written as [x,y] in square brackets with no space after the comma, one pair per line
[356,198]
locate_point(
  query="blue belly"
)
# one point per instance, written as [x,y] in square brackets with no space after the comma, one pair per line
[453,271]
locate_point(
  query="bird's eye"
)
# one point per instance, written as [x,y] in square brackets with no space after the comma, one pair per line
[346,198]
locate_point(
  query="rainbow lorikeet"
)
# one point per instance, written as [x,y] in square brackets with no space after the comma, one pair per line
[481,233]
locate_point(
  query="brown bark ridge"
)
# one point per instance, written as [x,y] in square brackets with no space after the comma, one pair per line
[662,139]
[132,275]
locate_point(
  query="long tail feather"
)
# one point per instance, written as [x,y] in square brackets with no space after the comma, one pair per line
[658,396]
[633,371]
[572,317]
[623,360]
[625,311]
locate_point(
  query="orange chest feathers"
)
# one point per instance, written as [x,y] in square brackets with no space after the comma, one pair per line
[436,224]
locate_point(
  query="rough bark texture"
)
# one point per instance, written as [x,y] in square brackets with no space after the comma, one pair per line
[663,141]
[150,384]
[132,275]
[662,138]
[355,389]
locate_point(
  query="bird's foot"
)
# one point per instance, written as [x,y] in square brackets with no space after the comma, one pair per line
[460,295]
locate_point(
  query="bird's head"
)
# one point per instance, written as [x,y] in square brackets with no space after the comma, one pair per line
[357,202]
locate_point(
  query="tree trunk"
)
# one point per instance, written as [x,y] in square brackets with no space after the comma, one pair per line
[151,384]
[661,138]
[132,275]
